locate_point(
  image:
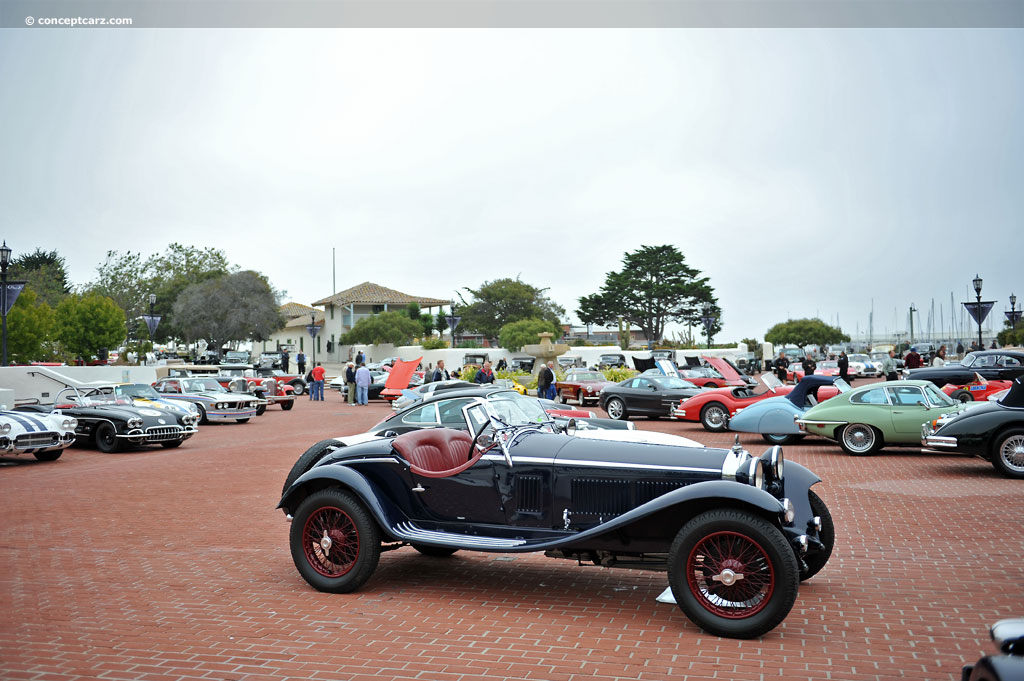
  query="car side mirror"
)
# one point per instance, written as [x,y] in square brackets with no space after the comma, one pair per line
[390,433]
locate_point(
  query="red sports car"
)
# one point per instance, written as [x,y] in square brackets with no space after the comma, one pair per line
[978,390]
[829,367]
[584,385]
[714,408]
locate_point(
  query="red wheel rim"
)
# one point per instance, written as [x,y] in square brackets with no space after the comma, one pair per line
[713,572]
[330,541]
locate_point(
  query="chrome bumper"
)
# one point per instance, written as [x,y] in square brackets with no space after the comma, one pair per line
[229,414]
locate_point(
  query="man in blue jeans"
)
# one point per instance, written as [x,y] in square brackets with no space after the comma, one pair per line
[362,385]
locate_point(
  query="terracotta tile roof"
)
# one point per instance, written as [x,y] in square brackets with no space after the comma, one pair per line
[304,320]
[369,293]
[291,310]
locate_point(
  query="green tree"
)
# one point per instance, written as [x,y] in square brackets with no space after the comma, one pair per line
[123,278]
[515,335]
[45,273]
[387,327]
[29,327]
[803,332]
[233,307]
[499,302]
[87,322]
[654,287]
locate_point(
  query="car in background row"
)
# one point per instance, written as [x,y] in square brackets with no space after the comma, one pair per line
[110,423]
[44,436]
[214,402]
[714,408]
[582,385]
[775,417]
[978,390]
[611,361]
[650,396]
[993,365]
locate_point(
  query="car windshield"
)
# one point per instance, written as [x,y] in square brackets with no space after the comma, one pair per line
[843,386]
[137,390]
[672,383]
[859,358]
[515,409]
[586,376]
[198,385]
[937,397]
[610,358]
[829,364]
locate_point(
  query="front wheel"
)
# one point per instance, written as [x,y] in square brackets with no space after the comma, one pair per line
[244,420]
[816,562]
[106,438]
[733,573]
[171,444]
[335,543]
[260,409]
[714,417]
[48,456]
[286,406]
[616,409]
[1008,457]
[859,439]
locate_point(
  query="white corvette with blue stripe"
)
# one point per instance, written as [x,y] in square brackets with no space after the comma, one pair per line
[45,436]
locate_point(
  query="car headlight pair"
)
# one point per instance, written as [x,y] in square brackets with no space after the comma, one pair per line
[135,422]
[5,427]
[69,423]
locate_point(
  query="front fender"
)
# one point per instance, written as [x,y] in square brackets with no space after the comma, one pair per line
[386,514]
[797,481]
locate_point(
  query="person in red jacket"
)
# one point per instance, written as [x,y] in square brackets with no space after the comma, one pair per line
[318,382]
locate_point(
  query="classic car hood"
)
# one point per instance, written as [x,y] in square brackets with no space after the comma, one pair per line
[723,367]
[644,436]
[401,373]
[617,453]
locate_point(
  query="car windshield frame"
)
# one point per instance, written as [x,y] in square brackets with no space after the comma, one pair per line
[671,383]
[140,390]
[197,384]
[586,376]
[937,398]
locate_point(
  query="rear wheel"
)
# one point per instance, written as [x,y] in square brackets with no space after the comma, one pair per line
[714,417]
[434,551]
[299,387]
[106,438]
[962,395]
[778,439]
[616,409]
[309,459]
[733,573]
[335,543]
[816,562]
[1008,457]
[859,439]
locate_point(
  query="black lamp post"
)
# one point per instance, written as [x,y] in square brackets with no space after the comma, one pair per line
[5,260]
[977,290]
[1013,311]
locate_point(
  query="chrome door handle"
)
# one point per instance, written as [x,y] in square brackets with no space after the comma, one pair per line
[419,488]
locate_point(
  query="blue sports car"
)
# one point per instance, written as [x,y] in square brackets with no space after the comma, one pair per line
[774,418]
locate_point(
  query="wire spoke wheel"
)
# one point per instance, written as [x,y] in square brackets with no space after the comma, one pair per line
[730,574]
[714,417]
[331,541]
[1011,455]
[858,438]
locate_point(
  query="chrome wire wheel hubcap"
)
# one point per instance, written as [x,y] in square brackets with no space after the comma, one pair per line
[1012,452]
[715,416]
[859,438]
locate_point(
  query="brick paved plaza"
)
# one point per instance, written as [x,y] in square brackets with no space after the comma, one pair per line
[174,564]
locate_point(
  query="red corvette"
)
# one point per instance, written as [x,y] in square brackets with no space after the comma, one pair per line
[829,367]
[978,390]
[714,408]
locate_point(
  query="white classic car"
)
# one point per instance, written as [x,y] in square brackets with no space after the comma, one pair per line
[44,436]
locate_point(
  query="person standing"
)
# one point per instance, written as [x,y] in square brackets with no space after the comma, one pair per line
[440,373]
[545,377]
[300,362]
[284,360]
[844,367]
[359,358]
[362,385]
[940,357]
[889,367]
[318,382]
[502,364]
[960,349]
[808,365]
[350,382]
[912,360]
[485,375]
[781,366]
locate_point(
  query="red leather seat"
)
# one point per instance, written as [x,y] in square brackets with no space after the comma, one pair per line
[435,452]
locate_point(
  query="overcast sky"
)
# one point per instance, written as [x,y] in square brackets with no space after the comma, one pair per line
[806,172]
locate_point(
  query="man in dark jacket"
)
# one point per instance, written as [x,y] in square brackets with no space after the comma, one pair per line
[912,360]
[485,375]
[440,373]
[781,366]
[300,360]
[844,367]
[284,361]
[545,377]
[809,365]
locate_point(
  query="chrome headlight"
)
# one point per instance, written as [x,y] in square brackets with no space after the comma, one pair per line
[755,473]
[69,423]
[135,422]
[5,427]
[774,463]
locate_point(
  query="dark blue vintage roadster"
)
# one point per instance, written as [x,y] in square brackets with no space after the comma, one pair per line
[735,533]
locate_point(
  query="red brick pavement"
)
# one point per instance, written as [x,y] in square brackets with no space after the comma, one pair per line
[173,564]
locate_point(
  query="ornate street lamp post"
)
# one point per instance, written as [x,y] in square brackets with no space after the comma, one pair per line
[977,290]
[1013,314]
[5,260]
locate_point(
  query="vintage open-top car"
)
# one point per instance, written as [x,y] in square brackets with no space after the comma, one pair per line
[736,533]
[992,430]
[111,422]
[979,390]
[775,417]
[44,436]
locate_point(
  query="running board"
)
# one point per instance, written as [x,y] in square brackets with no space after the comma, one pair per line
[408,531]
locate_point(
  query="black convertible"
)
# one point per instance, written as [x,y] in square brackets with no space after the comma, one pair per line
[992,365]
[735,533]
[991,430]
[651,396]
